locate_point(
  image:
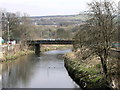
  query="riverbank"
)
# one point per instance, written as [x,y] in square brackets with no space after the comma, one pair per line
[45,48]
[12,52]
[86,73]
[18,52]
[10,57]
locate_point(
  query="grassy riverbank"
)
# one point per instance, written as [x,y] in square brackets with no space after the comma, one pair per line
[15,56]
[86,73]
[54,47]
[25,52]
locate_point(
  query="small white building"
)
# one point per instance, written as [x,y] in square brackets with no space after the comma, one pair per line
[1,55]
[1,40]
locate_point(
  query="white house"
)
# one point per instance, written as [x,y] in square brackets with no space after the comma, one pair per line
[1,55]
[1,40]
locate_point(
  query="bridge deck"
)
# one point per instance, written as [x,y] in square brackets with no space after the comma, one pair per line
[50,42]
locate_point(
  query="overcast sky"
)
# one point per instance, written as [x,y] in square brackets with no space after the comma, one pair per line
[45,7]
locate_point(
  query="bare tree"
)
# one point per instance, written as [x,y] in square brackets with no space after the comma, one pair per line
[99,32]
[103,27]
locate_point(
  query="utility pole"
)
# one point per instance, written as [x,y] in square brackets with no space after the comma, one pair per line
[119,21]
[8,31]
[0,23]
[41,34]
[1,54]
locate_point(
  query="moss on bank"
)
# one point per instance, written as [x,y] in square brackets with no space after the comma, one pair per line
[87,73]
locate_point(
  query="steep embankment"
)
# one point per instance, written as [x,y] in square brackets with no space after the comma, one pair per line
[86,73]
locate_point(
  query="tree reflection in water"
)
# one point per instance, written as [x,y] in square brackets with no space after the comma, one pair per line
[18,71]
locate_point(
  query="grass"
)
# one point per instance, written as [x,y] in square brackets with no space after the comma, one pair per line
[88,71]
[54,47]
[15,56]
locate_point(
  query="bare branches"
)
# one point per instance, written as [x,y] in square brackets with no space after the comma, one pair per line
[99,31]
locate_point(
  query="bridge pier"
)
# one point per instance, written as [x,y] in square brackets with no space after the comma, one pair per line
[37,49]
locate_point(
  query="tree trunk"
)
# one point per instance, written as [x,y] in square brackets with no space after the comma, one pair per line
[104,66]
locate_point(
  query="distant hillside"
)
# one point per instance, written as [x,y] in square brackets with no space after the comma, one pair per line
[59,19]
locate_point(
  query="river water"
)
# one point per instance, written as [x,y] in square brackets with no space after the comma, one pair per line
[31,71]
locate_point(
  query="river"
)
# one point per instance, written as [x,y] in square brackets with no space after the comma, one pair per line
[31,71]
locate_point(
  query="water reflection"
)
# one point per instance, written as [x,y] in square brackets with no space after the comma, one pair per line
[46,71]
[20,71]
[0,76]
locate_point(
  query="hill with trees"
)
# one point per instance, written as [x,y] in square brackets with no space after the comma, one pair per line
[60,20]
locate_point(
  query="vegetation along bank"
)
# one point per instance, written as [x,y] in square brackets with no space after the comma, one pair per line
[13,52]
[87,73]
[91,64]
